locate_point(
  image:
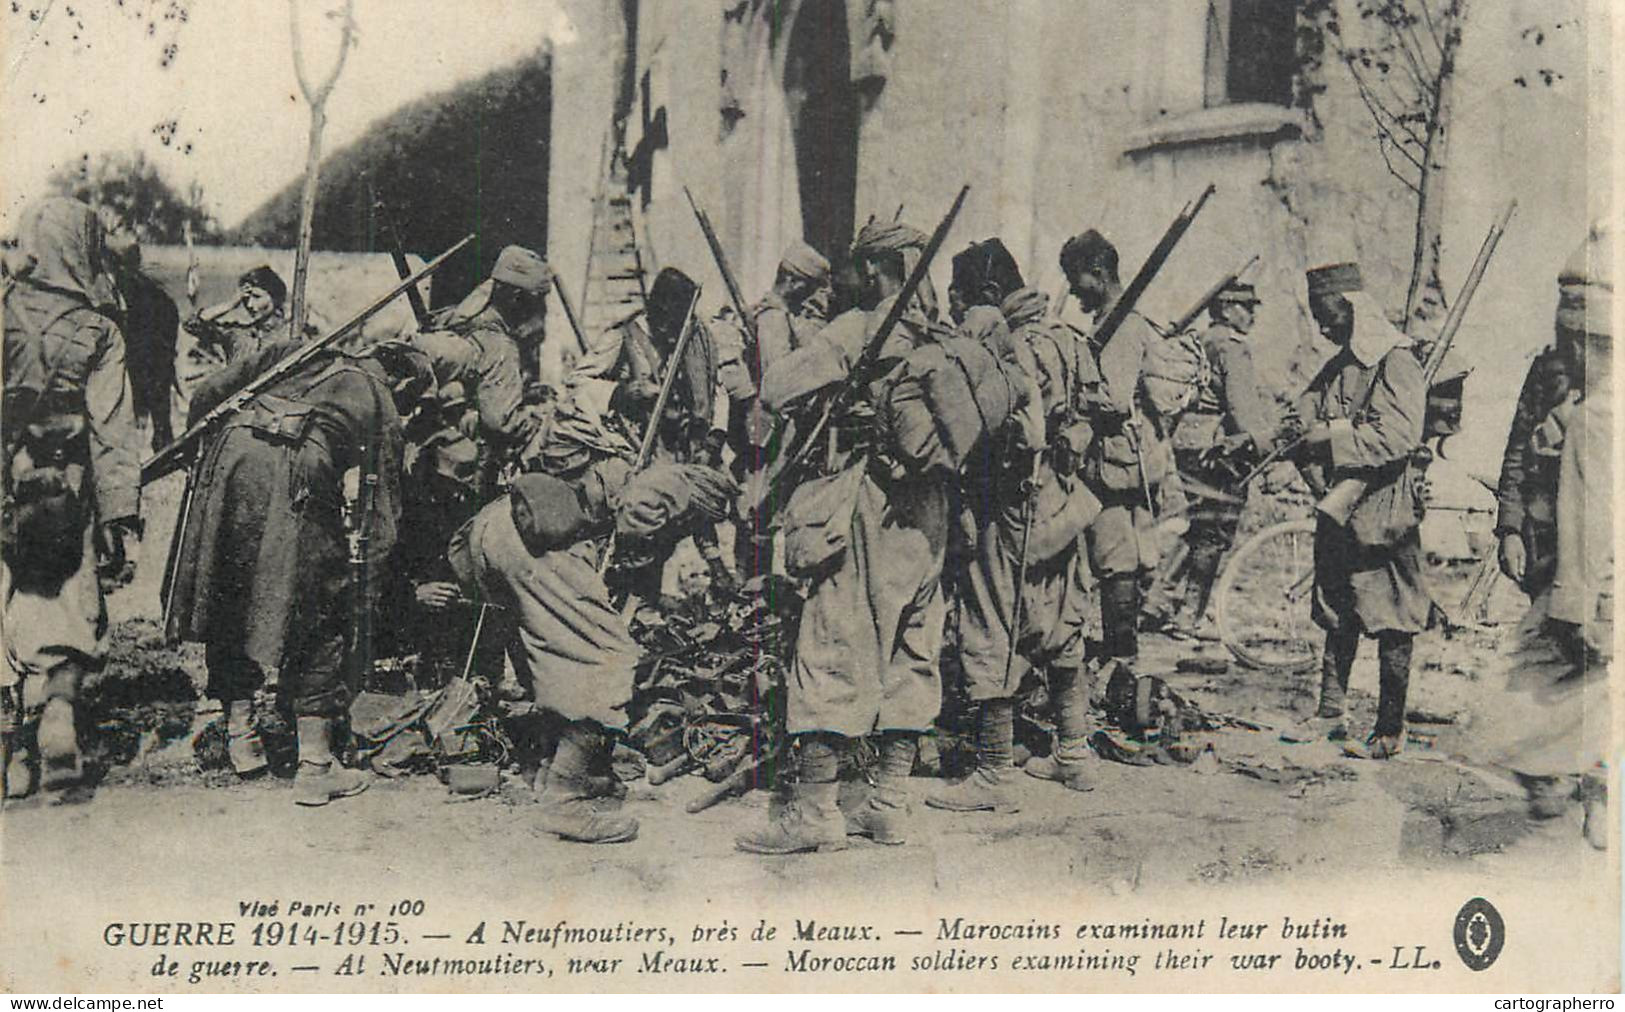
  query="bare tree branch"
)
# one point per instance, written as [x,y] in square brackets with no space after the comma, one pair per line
[316,96]
[1433,29]
[1387,121]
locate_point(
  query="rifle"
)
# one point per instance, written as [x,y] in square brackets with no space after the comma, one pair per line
[735,296]
[361,565]
[569,313]
[674,364]
[864,366]
[1208,296]
[1125,302]
[1029,506]
[402,268]
[169,458]
[1339,503]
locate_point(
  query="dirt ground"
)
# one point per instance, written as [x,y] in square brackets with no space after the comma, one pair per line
[1266,811]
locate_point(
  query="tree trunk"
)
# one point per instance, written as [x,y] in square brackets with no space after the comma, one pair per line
[1424,300]
[307,215]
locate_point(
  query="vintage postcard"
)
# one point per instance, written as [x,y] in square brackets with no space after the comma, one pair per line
[808,495]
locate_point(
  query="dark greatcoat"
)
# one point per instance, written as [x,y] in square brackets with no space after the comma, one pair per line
[261,572]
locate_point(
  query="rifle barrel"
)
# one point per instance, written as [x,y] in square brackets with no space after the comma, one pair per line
[1458,311]
[1208,296]
[735,295]
[871,351]
[168,458]
[1142,279]
[570,313]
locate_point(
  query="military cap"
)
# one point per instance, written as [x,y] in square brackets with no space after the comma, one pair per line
[802,261]
[547,512]
[1238,292]
[267,281]
[1585,288]
[886,237]
[523,269]
[1334,279]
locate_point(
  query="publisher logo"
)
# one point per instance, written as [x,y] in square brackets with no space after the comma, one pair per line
[1479,933]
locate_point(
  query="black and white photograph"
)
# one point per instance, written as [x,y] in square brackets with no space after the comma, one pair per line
[937,496]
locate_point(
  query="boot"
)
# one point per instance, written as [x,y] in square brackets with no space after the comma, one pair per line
[1068,759]
[1336,662]
[566,802]
[60,763]
[986,789]
[243,745]
[884,817]
[320,779]
[810,819]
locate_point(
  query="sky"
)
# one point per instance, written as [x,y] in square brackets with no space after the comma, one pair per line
[86,76]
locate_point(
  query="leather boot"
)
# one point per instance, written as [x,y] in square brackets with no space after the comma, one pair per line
[60,763]
[320,779]
[243,745]
[1068,760]
[884,817]
[986,789]
[811,818]
[565,805]
[1336,663]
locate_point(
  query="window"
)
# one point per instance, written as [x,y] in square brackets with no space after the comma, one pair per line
[1251,52]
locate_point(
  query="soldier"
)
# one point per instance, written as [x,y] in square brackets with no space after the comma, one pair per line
[70,479]
[534,553]
[482,343]
[261,571]
[1215,441]
[256,317]
[1367,406]
[785,318]
[1526,523]
[867,648]
[1128,457]
[695,421]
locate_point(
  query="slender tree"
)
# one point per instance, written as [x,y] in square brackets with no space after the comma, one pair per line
[316,96]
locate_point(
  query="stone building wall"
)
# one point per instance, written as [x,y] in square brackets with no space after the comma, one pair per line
[1061,115]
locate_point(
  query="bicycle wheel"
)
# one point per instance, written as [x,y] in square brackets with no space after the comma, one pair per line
[1264,596]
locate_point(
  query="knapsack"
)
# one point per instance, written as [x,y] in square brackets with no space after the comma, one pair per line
[1173,373]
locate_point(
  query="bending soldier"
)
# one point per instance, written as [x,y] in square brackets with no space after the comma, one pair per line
[1367,404]
[72,497]
[535,553]
[261,573]
[482,344]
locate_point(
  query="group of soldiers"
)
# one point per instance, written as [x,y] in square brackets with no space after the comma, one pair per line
[979,482]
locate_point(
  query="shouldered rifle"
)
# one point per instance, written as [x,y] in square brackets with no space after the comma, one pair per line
[864,366]
[674,364]
[735,296]
[1179,325]
[397,253]
[1339,503]
[170,457]
[1159,255]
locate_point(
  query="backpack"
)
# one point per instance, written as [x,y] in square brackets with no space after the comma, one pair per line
[1173,373]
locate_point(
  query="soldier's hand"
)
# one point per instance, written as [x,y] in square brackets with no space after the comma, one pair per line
[437,596]
[1512,556]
